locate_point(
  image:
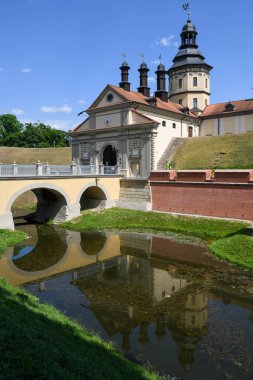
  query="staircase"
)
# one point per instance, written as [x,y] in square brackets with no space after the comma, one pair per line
[169,152]
[134,194]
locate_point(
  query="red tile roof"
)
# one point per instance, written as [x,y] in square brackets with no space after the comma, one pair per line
[133,96]
[219,108]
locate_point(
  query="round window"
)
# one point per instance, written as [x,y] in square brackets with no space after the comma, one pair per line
[109,98]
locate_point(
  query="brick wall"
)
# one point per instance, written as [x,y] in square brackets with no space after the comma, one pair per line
[230,196]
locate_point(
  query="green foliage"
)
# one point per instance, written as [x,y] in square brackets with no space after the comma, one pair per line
[123,219]
[9,238]
[38,342]
[30,135]
[237,249]
[10,130]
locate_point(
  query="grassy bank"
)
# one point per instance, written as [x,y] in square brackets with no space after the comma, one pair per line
[223,152]
[9,238]
[38,342]
[227,240]
[26,156]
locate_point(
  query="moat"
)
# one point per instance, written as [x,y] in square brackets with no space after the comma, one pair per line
[164,304]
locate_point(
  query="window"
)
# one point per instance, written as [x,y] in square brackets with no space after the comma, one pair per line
[174,125]
[195,81]
[195,103]
[206,102]
[164,123]
[180,83]
[206,83]
[109,98]
[180,101]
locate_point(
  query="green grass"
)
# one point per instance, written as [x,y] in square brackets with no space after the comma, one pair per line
[9,238]
[38,342]
[227,240]
[237,249]
[123,219]
[213,152]
[25,156]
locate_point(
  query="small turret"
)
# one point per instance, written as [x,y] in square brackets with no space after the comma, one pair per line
[161,92]
[124,76]
[144,89]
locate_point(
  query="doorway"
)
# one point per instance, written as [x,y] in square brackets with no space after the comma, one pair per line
[109,156]
[190,131]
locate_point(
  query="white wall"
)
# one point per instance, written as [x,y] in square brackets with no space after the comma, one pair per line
[165,134]
[228,125]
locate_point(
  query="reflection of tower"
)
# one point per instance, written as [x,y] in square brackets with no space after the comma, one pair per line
[187,322]
[143,337]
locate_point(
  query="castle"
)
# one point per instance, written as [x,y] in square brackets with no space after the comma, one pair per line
[130,131]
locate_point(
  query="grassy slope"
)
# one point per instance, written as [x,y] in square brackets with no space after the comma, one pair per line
[228,151]
[9,238]
[227,240]
[38,342]
[25,156]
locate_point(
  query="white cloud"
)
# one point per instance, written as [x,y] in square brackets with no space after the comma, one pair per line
[152,79]
[155,62]
[81,101]
[54,109]
[165,41]
[26,70]
[17,111]
[58,124]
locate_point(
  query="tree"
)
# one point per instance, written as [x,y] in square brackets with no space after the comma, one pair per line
[14,133]
[10,130]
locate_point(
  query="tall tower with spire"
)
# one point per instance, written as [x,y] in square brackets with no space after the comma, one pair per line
[189,76]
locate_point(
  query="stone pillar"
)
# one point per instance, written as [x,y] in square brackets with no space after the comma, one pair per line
[101,169]
[39,168]
[6,221]
[14,169]
[47,169]
[73,168]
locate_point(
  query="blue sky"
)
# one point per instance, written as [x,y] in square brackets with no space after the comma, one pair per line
[56,56]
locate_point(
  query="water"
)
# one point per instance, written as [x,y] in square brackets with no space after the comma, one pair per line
[161,303]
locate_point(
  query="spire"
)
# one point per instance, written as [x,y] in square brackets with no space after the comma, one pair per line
[124,76]
[143,70]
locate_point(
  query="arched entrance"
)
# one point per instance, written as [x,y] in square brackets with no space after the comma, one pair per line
[49,204]
[93,197]
[109,156]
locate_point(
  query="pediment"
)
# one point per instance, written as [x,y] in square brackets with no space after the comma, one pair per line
[108,97]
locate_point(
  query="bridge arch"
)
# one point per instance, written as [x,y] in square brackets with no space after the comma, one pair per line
[92,195]
[53,201]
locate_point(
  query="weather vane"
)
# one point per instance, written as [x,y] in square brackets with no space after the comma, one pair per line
[123,55]
[186,7]
[160,58]
[142,56]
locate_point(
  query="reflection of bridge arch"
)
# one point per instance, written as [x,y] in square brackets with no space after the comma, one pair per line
[42,256]
[91,247]
[74,258]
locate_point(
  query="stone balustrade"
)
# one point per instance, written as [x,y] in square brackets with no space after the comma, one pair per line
[46,170]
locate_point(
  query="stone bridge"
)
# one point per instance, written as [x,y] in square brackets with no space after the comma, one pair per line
[59,197]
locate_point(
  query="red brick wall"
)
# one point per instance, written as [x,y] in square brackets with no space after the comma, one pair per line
[207,198]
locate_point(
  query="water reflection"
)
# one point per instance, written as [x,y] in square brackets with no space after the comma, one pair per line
[166,303]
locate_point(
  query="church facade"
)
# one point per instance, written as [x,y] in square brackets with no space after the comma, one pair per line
[129,131]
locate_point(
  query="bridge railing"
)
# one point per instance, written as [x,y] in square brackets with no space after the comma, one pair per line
[39,169]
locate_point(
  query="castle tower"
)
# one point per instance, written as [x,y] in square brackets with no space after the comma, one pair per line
[189,76]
